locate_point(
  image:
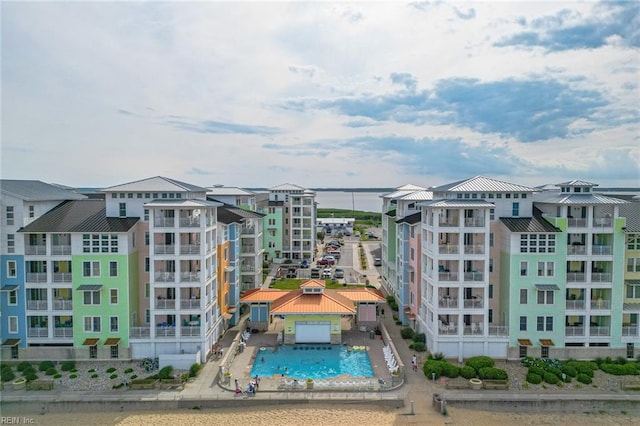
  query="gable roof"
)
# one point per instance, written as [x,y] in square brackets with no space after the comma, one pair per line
[262,295]
[328,302]
[313,283]
[288,187]
[80,216]
[588,198]
[228,190]
[156,183]
[35,190]
[482,183]
[410,219]
[632,212]
[528,224]
[576,182]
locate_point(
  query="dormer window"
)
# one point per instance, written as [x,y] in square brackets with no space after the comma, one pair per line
[577,189]
[587,190]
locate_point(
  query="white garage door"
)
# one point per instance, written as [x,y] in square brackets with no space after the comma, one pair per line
[313,332]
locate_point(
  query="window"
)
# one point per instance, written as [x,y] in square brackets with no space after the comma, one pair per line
[147,316]
[146,215]
[507,195]
[490,195]
[633,243]
[544,352]
[549,323]
[490,291]
[544,323]
[491,239]
[113,324]
[498,195]
[11,243]
[147,290]
[146,264]
[113,296]
[91,269]
[123,209]
[490,264]
[13,297]
[540,323]
[114,195]
[32,212]
[92,324]
[91,297]
[9,215]
[523,323]
[130,195]
[546,269]
[114,351]
[139,195]
[113,268]
[630,350]
[524,266]
[523,351]
[122,195]
[633,264]
[12,271]
[13,325]
[523,296]
[146,238]
[633,291]
[545,297]
[490,316]
[99,243]
[515,209]
[412,253]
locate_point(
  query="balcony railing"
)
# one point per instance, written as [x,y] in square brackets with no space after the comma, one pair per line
[474,249]
[164,249]
[63,332]
[165,276]
[601,304]
[248,249]
[601,277]
[498,330]
[164,222]
[36,277]
[450,329]
[62,277]
[35,249]
[577,223]
[189,276]
[189,303]
[61,250]
[165,331]
[575,304]
[473,303]
[630,330]
[448,276]
[190,331]
[62,305]
[165,303]
[248,230]
[448,223]
[601,250]
[604,222]
[574,331]
[190,222]
[595,330]
[474,221]
[190,249]
[577,249]
[139,332]
[448,302]
[37,305]
[473,276]
[449,249]
[38,332]
[574,277]
[471,330]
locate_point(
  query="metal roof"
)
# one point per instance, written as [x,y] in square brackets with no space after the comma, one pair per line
[576,182]
[482,183]
[228,190]
[327,302]
[193,202]
[632,212]
[157,184]
[410,219]
[528,224]
[634,307]
[89,287]
[237,214]
[547,287]
[458,204]
[361,295]
[391,213]
[417,196]
[262,295]
[80,216]
[35,190]
[288,187]
[575,199]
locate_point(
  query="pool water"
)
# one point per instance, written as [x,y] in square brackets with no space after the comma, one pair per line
[312,361]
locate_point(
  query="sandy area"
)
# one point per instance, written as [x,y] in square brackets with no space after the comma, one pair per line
[325,416]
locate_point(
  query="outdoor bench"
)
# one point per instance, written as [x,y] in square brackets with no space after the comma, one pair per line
[457,384]
[40,385]
[142,384]
[495,384]
[630,384]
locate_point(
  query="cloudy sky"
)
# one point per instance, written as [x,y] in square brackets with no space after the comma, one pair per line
[321,94]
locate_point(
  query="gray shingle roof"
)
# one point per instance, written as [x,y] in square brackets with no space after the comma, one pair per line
[80,216]
[411,219]
[35,190]
[632,212]
[482,183]
[528,224]
[157,183]
[231,214]
[391,213]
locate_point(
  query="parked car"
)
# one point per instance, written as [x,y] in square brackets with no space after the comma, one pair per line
[371,235]
[326,260]
[338,273]
[334,253]
[333,244]
[292,273]
[326,273]
[315,273]
[377,262]
[304,263]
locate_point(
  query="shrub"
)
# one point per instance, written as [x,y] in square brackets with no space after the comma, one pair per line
[31,376]
[551,378]
[584,378]
[7,374]
[194,370]
[450,370]
[569,371]
[467,372]
[407,333]
[621,360]
[536,370]
[390,299]
[165,373]
[419,346]
[555,371]
[73,370]
[111,369]
[398,322]
[113,376]
[92,370]
[57,376]
[128,370]
[478,362]
[68,366]
[51,371]
[420,338]
[24,364]
[94,376]
[118,386]
[533,378]
[431,367]
[185,376]
[45,365]
[29,369]
[73,376]
[492,373]
[133,377]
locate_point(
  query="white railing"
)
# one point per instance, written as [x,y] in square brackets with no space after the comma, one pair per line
[62,277]
[190,249]
[573,277]
[474,249]
[601,277]
[37,305]
[165,303]
[38,332]
[605,222]
[601,250]
[165,331]
[164,222]
[576,223]
[139,332]
[36,277]
[600,304]
[574,331]
[473,303]
[63,332]
[473,276]
[189,303]
[164,249]
[165,276]
[577,249]
[498,330]
[60,250]
[62,305]
[448,302]
[449,249]
[474,221]
[575,304]
[189,276]
[448,223]
[189,222]
[189,331]
[599,331]
[630,330]
[35,249]
[448,276]
[248,231]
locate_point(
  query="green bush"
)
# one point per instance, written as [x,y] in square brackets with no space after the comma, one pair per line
[584,378]
[118,386]
[51,371]
[165,373]
[133,377]
[23,365]
[583,367]
[450,370]
[194,370]
[68,366]
[185,376]
[73,376]
[94,376]
[31,376]
[92,370]
[73,370]
[29,369]
[111,369]
[555,371]
[533,378]
[398,322]
[492,373]
[536,370]
[432,366]
[57,376]
[7,374]
[478,362]
[113,376]
[128,370]
[420,338]
[569,371]
[438,356]
[407,333]
[629,369]
[390,299]
[419,346]
[46,365]
[467,372]
[551,378]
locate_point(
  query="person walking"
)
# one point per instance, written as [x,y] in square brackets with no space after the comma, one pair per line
[414,362]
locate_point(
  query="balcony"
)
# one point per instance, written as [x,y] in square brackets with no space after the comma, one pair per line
[473,276]
[63,332]
[448,302]
[473,329]
[139,332]
[164,249]
[189,276]
[448,276]
[35,249]
[474,249]
[577,249]
[190,222]
[36,277]
[449,223]
[474,303]
[37,305]
[596,330]
[190,249]
[474,222]
[573,331]
[190,303]
[449,249]
[38,332]
[630,330]
[164,222]
[248,248]
[576,277]
[61,250]
[600,304]
[601,277]
[165,277]
[597,250]
[577,223]
[498,330]
[190,331]
[575,304]
[248,230]
[603,222]
[165,303]
[62,305]
[62,277]
[166,331]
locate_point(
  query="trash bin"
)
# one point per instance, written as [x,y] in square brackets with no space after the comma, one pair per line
[372,334]
[241,348]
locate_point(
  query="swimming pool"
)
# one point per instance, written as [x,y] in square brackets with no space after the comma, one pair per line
[312,361]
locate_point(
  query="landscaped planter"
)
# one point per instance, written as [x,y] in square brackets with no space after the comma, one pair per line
[309,384]
[19,384]
[475,383]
